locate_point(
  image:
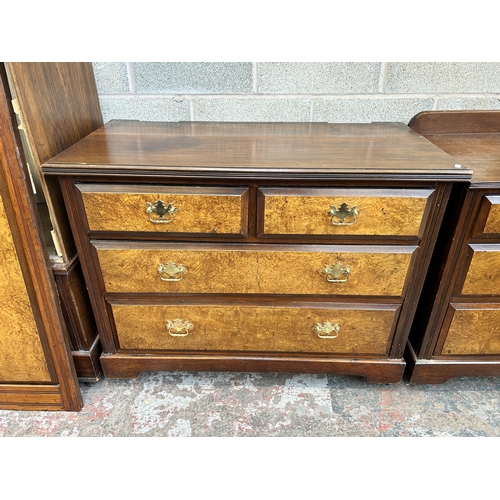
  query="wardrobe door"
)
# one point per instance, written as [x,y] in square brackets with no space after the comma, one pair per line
[36,368]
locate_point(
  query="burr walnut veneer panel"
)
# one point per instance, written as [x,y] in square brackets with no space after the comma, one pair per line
[474,329]
[36,370]
[21,355]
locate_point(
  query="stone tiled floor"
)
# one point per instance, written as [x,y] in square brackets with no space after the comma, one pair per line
[272,404]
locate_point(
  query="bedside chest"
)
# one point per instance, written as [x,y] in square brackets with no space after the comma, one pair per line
[294,247]
[458,327]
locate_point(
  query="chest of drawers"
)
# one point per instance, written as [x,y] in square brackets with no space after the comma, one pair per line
[255,247]
[458,327]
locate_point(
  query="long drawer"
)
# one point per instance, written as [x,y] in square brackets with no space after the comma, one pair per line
[308,327]
[152,267]
[172,209]
[348,211]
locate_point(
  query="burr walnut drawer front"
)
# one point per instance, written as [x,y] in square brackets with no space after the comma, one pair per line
[474,329]
[483,274]
[314,328]
[489,217]
[153,209]
[153,267]
[324,211]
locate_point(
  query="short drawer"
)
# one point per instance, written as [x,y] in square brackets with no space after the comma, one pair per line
[314,328]
[474,329]
[153,267]
[490,214]
[322,211]
[483,274]
[205,210]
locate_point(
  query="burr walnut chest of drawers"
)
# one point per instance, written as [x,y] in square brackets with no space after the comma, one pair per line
[457,331]
[293,247]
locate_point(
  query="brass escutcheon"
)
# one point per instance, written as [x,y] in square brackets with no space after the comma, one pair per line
[161,210]
[178,327]
[334,273]
[325,330]
[173,271]
[341,214]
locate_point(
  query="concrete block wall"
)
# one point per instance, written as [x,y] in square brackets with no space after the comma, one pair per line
[265,91]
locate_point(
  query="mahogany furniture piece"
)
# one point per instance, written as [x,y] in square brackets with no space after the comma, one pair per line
[36,369]
[457,331]
[57,105]
[294,247]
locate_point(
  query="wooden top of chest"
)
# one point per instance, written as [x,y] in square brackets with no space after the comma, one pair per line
[470,137]
[296,150]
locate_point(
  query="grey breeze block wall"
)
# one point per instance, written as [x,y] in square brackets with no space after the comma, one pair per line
[317,92]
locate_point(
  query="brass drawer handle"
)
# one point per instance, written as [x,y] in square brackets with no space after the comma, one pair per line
[161,210]
[339,215]
[334,273]
[178,327]
[173,271]
[326,329]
